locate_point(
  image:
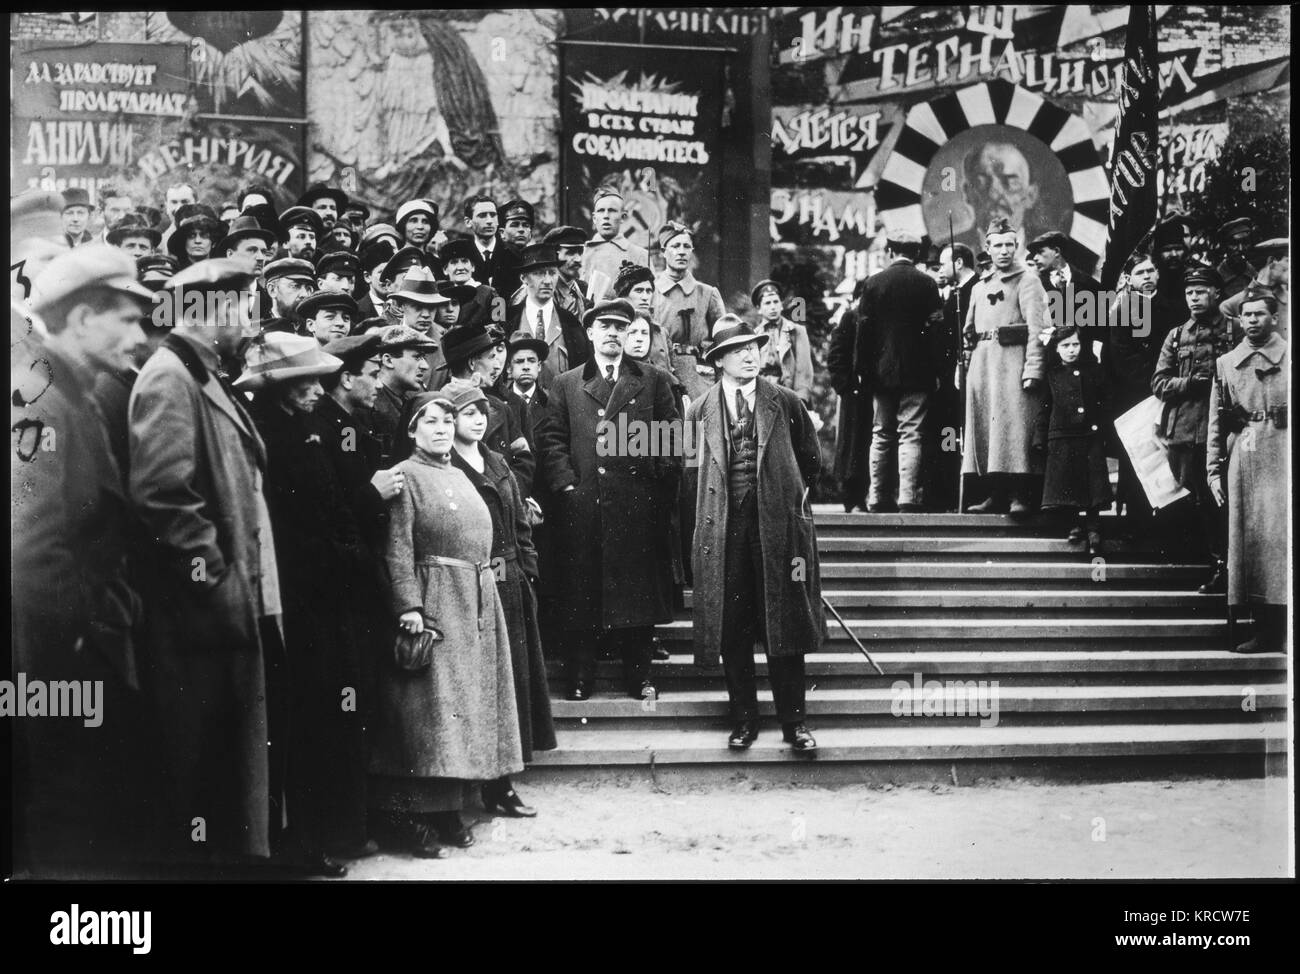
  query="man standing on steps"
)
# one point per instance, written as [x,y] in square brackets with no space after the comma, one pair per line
[1008,313]
[755,562]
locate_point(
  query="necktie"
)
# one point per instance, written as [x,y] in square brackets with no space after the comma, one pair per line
[742,408]
[609,374]
[541,326]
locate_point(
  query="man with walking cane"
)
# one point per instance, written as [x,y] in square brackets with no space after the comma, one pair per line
[755,560]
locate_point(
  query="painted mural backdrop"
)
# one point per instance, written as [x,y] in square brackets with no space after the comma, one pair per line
[907,116]
[436,104]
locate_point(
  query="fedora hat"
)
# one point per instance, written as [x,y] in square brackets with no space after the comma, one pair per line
[525,340]
[538,256]
[245,227]
[419,286]
[132,225]
[731,331]
[281,356]
[463,342]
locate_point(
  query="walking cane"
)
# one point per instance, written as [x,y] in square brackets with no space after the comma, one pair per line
[857,642]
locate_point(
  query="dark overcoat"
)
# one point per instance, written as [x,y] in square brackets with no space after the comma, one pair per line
[197,464]
[318,551]
[1071,431]
[611,532]
[515,565]
[1252,461]
[853,415]
[788,464]
[895,314]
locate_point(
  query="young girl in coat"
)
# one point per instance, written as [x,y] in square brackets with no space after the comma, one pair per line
[1071,429]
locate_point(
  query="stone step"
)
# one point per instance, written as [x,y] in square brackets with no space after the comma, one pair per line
[1075,575]
[918,547]
[1012,667]
[959,698]
[588,749]
[873,602]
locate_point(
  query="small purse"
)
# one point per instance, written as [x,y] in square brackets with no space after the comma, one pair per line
[413,651]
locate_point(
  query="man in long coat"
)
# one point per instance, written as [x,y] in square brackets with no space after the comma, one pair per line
[610,520]
[77,785]
[755,552]
[1008,312]
[850,377]
[1247,460]
[197,464]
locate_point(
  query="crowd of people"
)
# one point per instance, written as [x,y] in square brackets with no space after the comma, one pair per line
[315,496]
[992,384]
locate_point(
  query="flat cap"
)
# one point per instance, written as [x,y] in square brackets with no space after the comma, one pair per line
[214,274]
[92,265]
[616,310]
[319,301]
[397,337]
[293,268]
[1052,238]
[35,214]
[354,349]
[1202,274]
[565,237]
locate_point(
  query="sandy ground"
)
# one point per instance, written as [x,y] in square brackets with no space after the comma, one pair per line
[741,829]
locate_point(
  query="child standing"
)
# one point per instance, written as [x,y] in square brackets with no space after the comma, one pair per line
[1071,428]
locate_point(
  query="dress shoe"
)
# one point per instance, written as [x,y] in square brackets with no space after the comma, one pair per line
[645,690]
[578,691]
[1094,543]
[886,508]
[1075,536]
[1253,645]
[1020,507]
[745,734]
[799,738]
[911,509]
[421,841]
[362,851]
[994,505]
[315,864]
[503,799]
[452,830]
[1217,584]
[659,652]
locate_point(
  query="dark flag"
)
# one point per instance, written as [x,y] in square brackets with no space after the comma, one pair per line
[1134,157]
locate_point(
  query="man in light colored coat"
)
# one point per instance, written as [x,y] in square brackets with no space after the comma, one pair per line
[1008,315]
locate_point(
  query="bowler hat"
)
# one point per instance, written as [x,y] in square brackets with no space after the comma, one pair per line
[245,227]
[132,225]
[92,265]
[281,356]
[731,331]
[463,342]
[525,340]
[320,191]
[537,257]
[319,301]
[75,196]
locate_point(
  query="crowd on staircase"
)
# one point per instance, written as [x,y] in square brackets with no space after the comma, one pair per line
[310,497]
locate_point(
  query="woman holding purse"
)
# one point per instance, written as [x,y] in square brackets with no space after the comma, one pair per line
[447,713]
[514,561]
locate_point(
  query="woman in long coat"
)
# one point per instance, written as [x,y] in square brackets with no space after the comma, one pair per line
[457,720]
[514,562]
[318,549]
